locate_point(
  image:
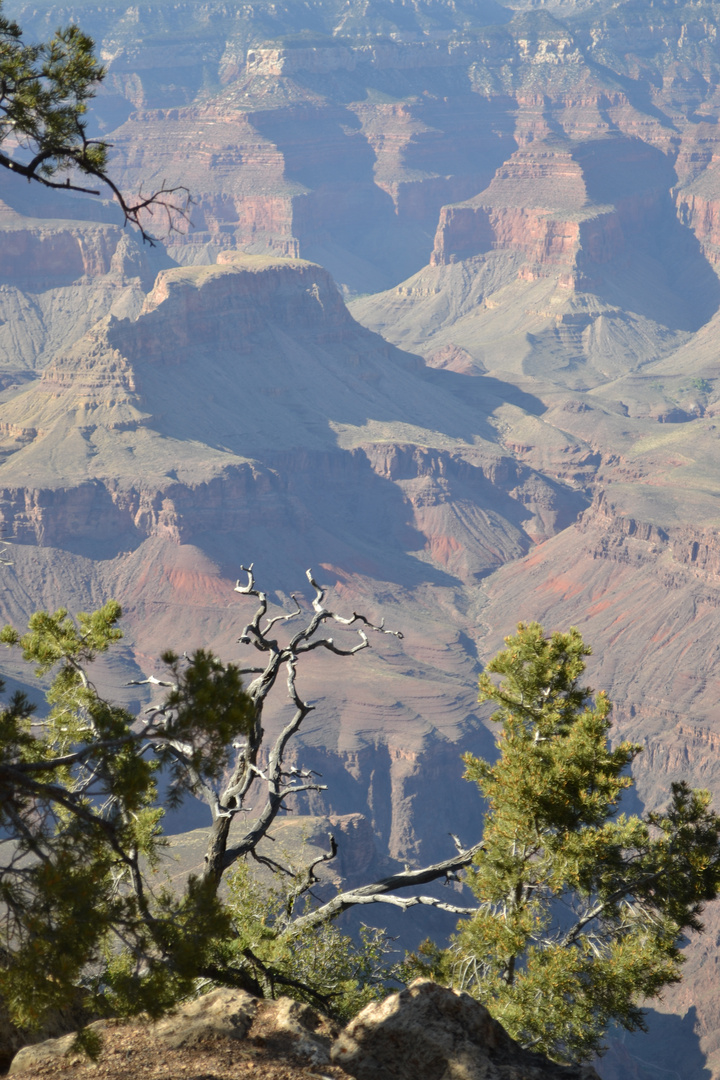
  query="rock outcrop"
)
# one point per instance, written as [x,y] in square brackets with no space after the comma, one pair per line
[433,1033]
[567,208]
[50,1052]
[289,1031]
[228,1013]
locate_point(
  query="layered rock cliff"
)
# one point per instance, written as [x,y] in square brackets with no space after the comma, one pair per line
[243,413]
[347,150]
[58,276]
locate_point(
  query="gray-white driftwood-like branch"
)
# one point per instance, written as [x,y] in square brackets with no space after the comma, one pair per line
[384,891]
[279,782]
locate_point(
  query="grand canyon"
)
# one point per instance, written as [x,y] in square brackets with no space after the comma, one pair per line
[444,329]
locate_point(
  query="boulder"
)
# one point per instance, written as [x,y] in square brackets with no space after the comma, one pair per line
[225,1012]
[58,1022]
[50,1051]
[428,1032]
[297,1029]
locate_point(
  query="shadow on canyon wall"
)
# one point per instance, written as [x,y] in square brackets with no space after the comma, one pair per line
[348,215]
[486,392]
[668,1050]
[663,273]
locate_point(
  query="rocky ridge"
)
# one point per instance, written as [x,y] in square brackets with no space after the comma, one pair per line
[423,1031]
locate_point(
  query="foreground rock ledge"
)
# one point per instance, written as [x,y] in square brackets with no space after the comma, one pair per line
[288,1029]
[426,1032]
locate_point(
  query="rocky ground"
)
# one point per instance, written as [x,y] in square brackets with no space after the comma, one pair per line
[132,1050]
[424,1032]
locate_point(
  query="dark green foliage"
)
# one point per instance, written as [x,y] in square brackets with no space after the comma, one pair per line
[321,965]
[88,1042]
[44,91]
[81,829]
[209,707]
[581,909]
[171,951]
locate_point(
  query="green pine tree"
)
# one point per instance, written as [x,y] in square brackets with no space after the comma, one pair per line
[582,909]
[45,90]
[80,828]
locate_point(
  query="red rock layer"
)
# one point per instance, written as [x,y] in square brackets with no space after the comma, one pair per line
[42,254]
[702,214]
[560,207]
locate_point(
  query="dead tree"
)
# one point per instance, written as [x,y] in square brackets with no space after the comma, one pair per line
[280,782]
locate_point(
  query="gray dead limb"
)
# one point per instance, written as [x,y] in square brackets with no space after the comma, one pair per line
[383,891]
[277,781]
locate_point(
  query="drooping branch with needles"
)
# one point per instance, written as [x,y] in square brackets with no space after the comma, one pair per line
[45,89]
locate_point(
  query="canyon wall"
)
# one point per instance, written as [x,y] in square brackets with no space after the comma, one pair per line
[243,413]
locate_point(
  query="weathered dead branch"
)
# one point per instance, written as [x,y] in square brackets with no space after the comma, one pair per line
[278,782]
